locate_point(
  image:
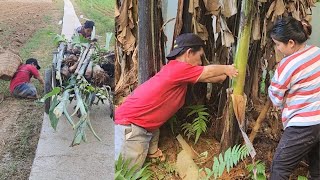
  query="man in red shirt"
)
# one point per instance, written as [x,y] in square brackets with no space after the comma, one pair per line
[20,85]
[150,105]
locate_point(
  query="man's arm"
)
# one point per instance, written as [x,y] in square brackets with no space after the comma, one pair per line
[217,73]
[217,79]
[40,79]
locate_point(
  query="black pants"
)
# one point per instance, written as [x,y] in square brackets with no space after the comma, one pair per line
[295,144]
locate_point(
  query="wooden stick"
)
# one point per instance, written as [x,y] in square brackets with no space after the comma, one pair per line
[59,61]
[82,58]
[85,64]
[260,119]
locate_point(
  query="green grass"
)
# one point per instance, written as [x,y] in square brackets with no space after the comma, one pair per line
[8,171]
[41,40]
[101,12]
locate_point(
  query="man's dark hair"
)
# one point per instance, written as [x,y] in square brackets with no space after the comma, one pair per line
[185,49]
[88,24]
[33,61]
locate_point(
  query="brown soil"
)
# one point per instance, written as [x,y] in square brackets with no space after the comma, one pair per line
[19,20]
[20,120]
[265,144]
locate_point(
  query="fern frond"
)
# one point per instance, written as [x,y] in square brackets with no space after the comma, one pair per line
[235,155]
[194,111]
[261,168]
[257,170]
[199,123]
[222,165]
[203,113]
[195,106]
[215,168]
[227,160]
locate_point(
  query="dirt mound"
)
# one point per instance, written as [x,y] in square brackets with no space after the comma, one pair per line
[9,63]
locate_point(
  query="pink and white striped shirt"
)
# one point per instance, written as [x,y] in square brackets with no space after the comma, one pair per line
[295,88]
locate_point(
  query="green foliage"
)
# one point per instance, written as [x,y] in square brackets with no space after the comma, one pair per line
[77,88]
[54,91]
[108,41]
[199,123]
[53,119]
[303,177]
[98,57]
[173,121]
[58,39]
[263,82]
[124,172]
[77,40]
[257,170]
[40,46]
[228,160]
[83,92]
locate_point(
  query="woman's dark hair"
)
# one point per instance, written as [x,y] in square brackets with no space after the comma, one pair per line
[185,49]
[88,24]
[289,28]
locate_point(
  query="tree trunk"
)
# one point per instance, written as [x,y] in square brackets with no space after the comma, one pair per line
[231,133]
[158,40]
[145,41]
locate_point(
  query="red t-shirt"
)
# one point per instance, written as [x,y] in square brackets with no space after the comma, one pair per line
[23,75]
[152,103]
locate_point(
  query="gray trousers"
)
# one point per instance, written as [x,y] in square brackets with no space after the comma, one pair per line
[135,143]
[295,144]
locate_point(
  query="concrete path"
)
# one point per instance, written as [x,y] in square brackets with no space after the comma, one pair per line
[88,161]
[94,160]
[70,20]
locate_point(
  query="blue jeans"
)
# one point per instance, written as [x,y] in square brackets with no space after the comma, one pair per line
[25,90]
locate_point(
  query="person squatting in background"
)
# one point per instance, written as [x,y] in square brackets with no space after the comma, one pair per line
[20,85]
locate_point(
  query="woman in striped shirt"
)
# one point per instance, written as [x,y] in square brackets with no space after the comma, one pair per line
[295,89]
